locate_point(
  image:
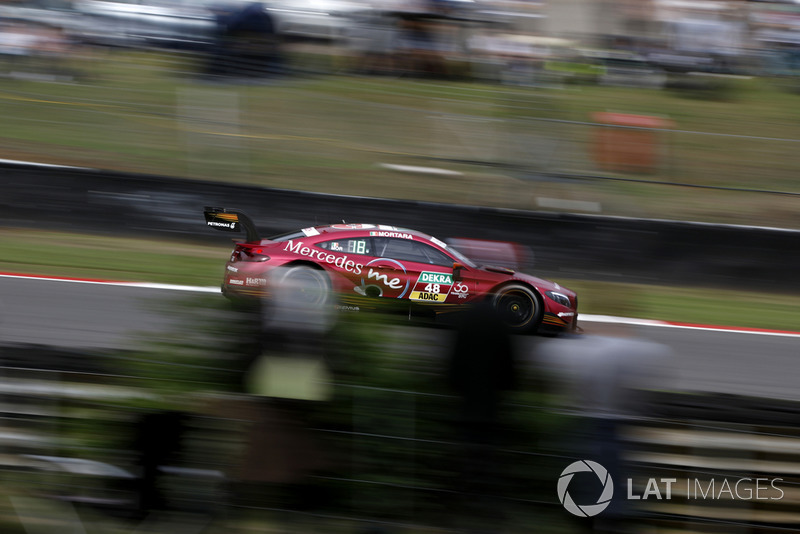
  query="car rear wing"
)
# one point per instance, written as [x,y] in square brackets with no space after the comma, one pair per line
[231,220]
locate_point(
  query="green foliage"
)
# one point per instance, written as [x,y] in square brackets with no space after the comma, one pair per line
[208,350]
[399,447]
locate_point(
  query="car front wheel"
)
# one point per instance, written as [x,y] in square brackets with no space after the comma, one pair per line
[518,307]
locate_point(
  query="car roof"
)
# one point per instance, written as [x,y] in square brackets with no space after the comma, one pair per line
[345,230]
[366,229]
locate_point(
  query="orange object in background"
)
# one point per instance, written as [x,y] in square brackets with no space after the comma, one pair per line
[627,143]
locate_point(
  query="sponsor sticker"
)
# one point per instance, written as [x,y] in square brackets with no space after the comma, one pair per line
[427,297]
[235,282]
[461,290]
[387,280]
[323,256]
[309,232]
[352,226]
[228,221]
[400,235]
[217,224]
[393,283]
[432,287]
[435,278]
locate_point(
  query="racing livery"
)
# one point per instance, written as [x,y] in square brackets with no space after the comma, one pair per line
[368,263]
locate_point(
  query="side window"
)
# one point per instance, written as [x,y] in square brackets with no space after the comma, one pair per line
[408,250]
[353,245]
[436,257]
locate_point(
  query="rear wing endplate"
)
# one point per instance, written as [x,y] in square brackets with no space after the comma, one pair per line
[231,220]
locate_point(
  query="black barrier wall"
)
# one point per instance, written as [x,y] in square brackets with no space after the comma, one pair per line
[564,245]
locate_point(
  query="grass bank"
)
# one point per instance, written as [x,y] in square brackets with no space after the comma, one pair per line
[150,112]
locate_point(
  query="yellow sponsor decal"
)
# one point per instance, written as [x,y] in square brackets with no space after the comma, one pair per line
[231,217]
[427,297]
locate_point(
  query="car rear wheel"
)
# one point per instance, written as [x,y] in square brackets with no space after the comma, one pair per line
[518,307]
[307,286]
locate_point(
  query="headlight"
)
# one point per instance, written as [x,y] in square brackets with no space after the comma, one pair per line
[558,297]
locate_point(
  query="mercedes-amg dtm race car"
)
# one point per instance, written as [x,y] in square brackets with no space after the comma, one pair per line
[360,263]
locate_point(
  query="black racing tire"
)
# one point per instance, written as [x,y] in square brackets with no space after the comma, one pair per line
[518,307]
[313,285]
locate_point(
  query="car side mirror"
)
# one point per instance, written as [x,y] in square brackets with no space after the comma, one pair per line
[457,272]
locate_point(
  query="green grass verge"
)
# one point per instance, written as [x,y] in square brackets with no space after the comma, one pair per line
[178,262]
[111,258]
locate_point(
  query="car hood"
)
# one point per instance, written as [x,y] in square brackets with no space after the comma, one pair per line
[541,284]
[497,269]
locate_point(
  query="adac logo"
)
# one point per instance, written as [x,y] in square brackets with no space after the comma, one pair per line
[588,510]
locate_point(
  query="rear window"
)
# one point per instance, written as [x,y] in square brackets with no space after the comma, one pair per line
[353,245]
[287,237]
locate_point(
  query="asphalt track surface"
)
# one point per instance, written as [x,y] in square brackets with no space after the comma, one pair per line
[98,316]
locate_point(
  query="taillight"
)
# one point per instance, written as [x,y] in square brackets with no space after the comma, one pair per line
[248,253]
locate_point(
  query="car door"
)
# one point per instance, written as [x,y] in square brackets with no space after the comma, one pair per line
[413,270]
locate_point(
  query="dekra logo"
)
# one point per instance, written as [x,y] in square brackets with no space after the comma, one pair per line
[436,278]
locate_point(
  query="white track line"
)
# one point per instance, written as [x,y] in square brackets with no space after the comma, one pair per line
[43,165]
[145,285]
[686,326]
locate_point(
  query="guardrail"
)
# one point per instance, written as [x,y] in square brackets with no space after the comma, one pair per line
[564,245]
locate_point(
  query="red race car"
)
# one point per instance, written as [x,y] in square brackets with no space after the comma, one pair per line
[366,263]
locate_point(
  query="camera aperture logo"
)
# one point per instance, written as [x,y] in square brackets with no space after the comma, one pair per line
[586,510]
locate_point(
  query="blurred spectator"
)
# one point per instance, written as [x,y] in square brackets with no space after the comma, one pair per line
[15,42]
[287,378]
[246,43]
[481,371]
[418,48]
[34,50]
[606,380]
[371,43]
[157,443]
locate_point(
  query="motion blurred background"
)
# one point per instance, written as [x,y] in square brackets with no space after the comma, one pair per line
[647,109]
[666,109]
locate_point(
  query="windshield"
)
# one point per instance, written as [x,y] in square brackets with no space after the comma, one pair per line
[461,258]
